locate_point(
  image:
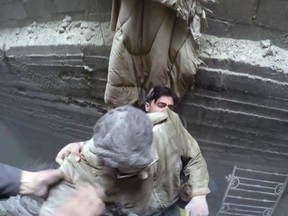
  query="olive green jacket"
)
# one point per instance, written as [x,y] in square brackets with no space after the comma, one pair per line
[172,144]
[155,43]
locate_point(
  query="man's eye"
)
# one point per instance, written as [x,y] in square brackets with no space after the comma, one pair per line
[171,107]
[161,105]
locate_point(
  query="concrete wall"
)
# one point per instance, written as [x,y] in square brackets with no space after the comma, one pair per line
[15,13]
[250,19]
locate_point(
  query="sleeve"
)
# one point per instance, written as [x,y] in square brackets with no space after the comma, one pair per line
[196,167]
[9,180]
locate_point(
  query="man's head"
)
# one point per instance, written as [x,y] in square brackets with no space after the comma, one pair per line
[159,98]
[123,138]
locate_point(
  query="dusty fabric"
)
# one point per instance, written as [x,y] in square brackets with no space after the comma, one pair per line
[171,144]
[154,44]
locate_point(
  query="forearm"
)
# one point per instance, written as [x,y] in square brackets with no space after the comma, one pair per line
[198,174]
[9,180]
[27,181]
[196,167]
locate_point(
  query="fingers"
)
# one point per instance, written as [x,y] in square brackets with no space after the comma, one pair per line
[61,155]
[70,149]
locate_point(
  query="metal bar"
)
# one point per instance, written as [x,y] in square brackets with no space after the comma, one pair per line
[257,186]
[279,196]
[248,206]
[270,182]
[244,210]
[252,199]
[257,171]
[230,213]
[227,190]
[254,191]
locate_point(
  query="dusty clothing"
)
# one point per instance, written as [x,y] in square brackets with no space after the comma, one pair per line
[9,180]
[171,144]
[154,44]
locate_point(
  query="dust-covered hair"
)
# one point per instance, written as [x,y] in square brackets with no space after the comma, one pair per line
[123,138]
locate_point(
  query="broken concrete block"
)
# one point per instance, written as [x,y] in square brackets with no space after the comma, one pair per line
[61,30]
[64,25]
[268,52]
[67,19]
[84,25]
[265,43]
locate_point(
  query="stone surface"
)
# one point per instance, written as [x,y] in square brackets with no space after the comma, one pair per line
[63,6]
[13,10]
[229,10]
[39,8]
[273,14]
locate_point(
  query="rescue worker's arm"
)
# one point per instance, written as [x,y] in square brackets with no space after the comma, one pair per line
[196,167]
[198,180]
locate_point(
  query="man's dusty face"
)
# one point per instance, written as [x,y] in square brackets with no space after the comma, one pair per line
[160,105]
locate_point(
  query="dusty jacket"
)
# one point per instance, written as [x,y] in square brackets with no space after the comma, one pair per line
[9,180]
[154,44]
[133,195]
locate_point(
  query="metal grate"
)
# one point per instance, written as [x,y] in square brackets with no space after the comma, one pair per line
[252,192]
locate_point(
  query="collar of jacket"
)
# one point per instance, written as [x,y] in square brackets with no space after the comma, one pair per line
[157,117]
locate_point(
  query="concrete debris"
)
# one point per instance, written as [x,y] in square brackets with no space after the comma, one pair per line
[89,35]
[265,43]
[57,32]
[84,25]
[92,28]
[68,19]
[17,31]
[228,49]
[268,52]
[69,37]
[64,25]
[34,24]
[30,30]
[61,30]
[77,24]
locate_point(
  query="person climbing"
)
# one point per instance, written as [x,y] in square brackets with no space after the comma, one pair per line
[169,135]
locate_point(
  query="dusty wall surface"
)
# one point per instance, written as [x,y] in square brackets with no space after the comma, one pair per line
[15,13]
[53,68]
[251,19]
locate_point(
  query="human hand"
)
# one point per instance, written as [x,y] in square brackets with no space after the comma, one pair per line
[86,201]
[197,206]
[70,149]
[38,183]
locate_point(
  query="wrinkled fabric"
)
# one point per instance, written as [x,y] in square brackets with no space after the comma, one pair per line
[9,180]
[155,43]
[171,145]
